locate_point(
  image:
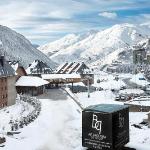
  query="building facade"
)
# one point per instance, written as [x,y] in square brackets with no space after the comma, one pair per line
[7,84]
[139,56]
[77,68]
[31,85]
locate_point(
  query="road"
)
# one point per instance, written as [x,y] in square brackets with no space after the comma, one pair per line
[130,85]
[58,126]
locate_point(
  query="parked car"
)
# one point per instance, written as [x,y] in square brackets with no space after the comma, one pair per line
[122,97]
[117,98]
[123,87]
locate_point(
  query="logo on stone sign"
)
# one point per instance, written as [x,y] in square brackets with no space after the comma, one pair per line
[96,124]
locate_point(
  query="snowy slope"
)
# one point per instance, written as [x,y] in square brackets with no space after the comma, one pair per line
[95,45]
[17,47]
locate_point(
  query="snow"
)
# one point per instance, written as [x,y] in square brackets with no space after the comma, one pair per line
[31,81]
[96,45]
[77,84]
[34,63]
[62,43]
[58,127]
[59,67]
[139,79]
[139,102]
[60,76]
[108,82]
[14,112]
[98,97]
[131,91]
[17,47]
[15,67]
[139,138]
[124,76]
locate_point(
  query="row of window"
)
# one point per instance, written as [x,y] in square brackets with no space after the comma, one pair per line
[3,105]
[4,88]
[3,96]
[3,80]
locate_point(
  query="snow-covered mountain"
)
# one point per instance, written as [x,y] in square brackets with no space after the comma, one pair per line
[96,45]
[16,47]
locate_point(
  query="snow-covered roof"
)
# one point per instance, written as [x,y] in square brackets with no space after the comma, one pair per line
[33,65]
[31,81]
[131,91]
[60,76]
[140,103]
[140,79]
[61,67]
[37,67]
[71,67]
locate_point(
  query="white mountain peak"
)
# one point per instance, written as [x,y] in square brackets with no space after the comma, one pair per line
[93,46]
[16,47]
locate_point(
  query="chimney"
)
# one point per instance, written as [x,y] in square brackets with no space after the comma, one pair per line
[2,60]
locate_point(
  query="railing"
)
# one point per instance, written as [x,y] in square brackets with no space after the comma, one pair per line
[24,121]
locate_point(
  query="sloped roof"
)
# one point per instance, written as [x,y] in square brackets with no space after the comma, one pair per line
[31,81]
[72,67]
[5,69]
[37,64]
[60,76]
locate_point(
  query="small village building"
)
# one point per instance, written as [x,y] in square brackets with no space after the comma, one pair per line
[58,79]
[77,68]
[139,55]
[72,67]
[31,85]
[37,68]
[7,84]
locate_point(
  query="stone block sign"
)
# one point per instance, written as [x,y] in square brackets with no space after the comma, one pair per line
[105,126]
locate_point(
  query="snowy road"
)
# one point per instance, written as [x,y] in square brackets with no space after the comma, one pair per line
[130,84]
[58,126]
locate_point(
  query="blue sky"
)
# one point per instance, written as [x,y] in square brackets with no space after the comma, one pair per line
[42,21]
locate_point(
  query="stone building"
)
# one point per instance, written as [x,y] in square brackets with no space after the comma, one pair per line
[139,56]
[30,85]
[7,84]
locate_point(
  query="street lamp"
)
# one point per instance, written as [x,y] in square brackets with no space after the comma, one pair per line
[87,78]
[88,84]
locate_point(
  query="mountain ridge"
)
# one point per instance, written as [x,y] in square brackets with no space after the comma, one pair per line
[95,45]
[16,47]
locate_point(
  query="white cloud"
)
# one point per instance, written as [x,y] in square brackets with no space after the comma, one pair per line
[110,15]
[58,27]
[60,14]
[47,17]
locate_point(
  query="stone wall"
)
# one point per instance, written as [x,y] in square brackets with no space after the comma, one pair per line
[11,90]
